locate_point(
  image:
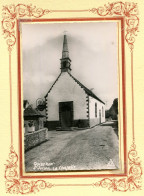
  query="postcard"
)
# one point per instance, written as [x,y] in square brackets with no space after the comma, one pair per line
[73,79]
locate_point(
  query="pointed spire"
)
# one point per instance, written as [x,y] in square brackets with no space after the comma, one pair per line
[65,52]
[65,60]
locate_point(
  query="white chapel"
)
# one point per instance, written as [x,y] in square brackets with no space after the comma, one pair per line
[69,103]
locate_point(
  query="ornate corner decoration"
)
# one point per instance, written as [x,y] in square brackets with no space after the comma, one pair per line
[14,184]
[129,10]
[9,17]
[11,13]
[132,182]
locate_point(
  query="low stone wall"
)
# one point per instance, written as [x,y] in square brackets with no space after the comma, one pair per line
[35,138]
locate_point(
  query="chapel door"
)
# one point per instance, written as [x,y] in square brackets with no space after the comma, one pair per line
[99,116]
[66,114]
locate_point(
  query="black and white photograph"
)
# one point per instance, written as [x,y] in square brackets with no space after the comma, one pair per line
[70,96]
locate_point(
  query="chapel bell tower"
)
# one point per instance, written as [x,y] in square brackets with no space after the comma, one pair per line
[65,60]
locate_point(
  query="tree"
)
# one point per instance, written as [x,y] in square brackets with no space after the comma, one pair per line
[113,111]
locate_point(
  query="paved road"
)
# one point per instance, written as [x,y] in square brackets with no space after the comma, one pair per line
[95,148]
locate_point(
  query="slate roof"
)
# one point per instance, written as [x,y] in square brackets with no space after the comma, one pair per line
[29,111]
[87,91]
[52,85]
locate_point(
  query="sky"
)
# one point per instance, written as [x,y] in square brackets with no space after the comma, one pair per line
[92,49]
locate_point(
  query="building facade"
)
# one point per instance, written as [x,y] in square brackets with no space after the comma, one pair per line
[69,103]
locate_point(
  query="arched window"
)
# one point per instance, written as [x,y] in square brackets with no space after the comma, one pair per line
[95,109]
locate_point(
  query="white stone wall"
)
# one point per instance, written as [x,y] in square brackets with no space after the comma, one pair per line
[93,119]
[66,89]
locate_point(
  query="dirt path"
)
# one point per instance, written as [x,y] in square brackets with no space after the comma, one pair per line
[75,150]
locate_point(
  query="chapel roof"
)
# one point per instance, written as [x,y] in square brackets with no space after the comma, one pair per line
[87,91]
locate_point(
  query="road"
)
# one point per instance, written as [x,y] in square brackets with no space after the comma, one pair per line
[91,149]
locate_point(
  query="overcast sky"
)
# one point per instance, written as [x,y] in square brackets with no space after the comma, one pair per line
[92,49]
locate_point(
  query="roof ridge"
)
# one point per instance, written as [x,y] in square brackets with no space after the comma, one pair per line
[30,111]
[87,91]
[53,85]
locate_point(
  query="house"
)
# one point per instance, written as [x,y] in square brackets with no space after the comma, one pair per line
[69,103]
[33,120]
